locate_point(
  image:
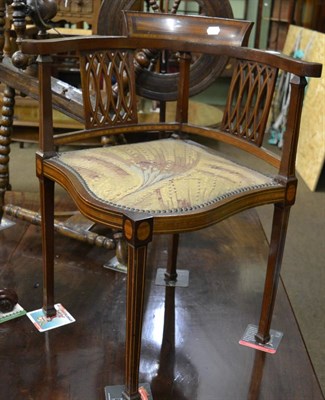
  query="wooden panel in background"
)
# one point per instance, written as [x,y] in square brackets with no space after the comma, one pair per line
[311,147]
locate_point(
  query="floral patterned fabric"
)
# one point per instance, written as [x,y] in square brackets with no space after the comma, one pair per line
[166,175]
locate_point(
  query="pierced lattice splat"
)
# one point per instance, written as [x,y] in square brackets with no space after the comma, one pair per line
[108,88]
[249,101]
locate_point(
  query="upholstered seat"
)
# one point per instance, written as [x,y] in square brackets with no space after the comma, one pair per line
[161,176]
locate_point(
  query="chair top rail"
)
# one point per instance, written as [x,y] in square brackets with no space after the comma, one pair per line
[101,43]
[189,28]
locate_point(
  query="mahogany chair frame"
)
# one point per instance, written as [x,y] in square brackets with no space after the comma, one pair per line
[243,126]
[106,19]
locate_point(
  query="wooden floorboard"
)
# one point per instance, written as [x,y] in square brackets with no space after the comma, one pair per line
[190,345]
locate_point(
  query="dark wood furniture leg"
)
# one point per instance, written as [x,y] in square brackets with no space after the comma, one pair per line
[171,272]
[47,210]
[7,114]
[276,248]
[282,210]
[171,276]
[138,234]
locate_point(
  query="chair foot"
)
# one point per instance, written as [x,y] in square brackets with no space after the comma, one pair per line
[260,338]
[181,279]
[254,339]
[118,393]
[115,265]
[49,311]
[6,223]
[171,276]
[120,261]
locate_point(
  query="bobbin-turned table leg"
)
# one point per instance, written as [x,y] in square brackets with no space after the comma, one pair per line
[6,123]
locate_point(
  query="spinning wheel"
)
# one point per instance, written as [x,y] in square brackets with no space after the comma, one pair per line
[150,83]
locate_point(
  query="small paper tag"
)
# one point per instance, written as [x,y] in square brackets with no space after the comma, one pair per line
[115,392]
[115,265]
[181,281]
[248,339]
[16,312]
[44,323]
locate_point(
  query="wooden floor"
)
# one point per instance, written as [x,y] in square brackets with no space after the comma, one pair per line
[190,338]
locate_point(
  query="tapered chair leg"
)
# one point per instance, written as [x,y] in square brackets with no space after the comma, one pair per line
[171,271]
[138,235]
[276,249]
[47,212]
[171,276]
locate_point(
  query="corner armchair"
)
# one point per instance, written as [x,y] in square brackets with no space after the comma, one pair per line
[173,183]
